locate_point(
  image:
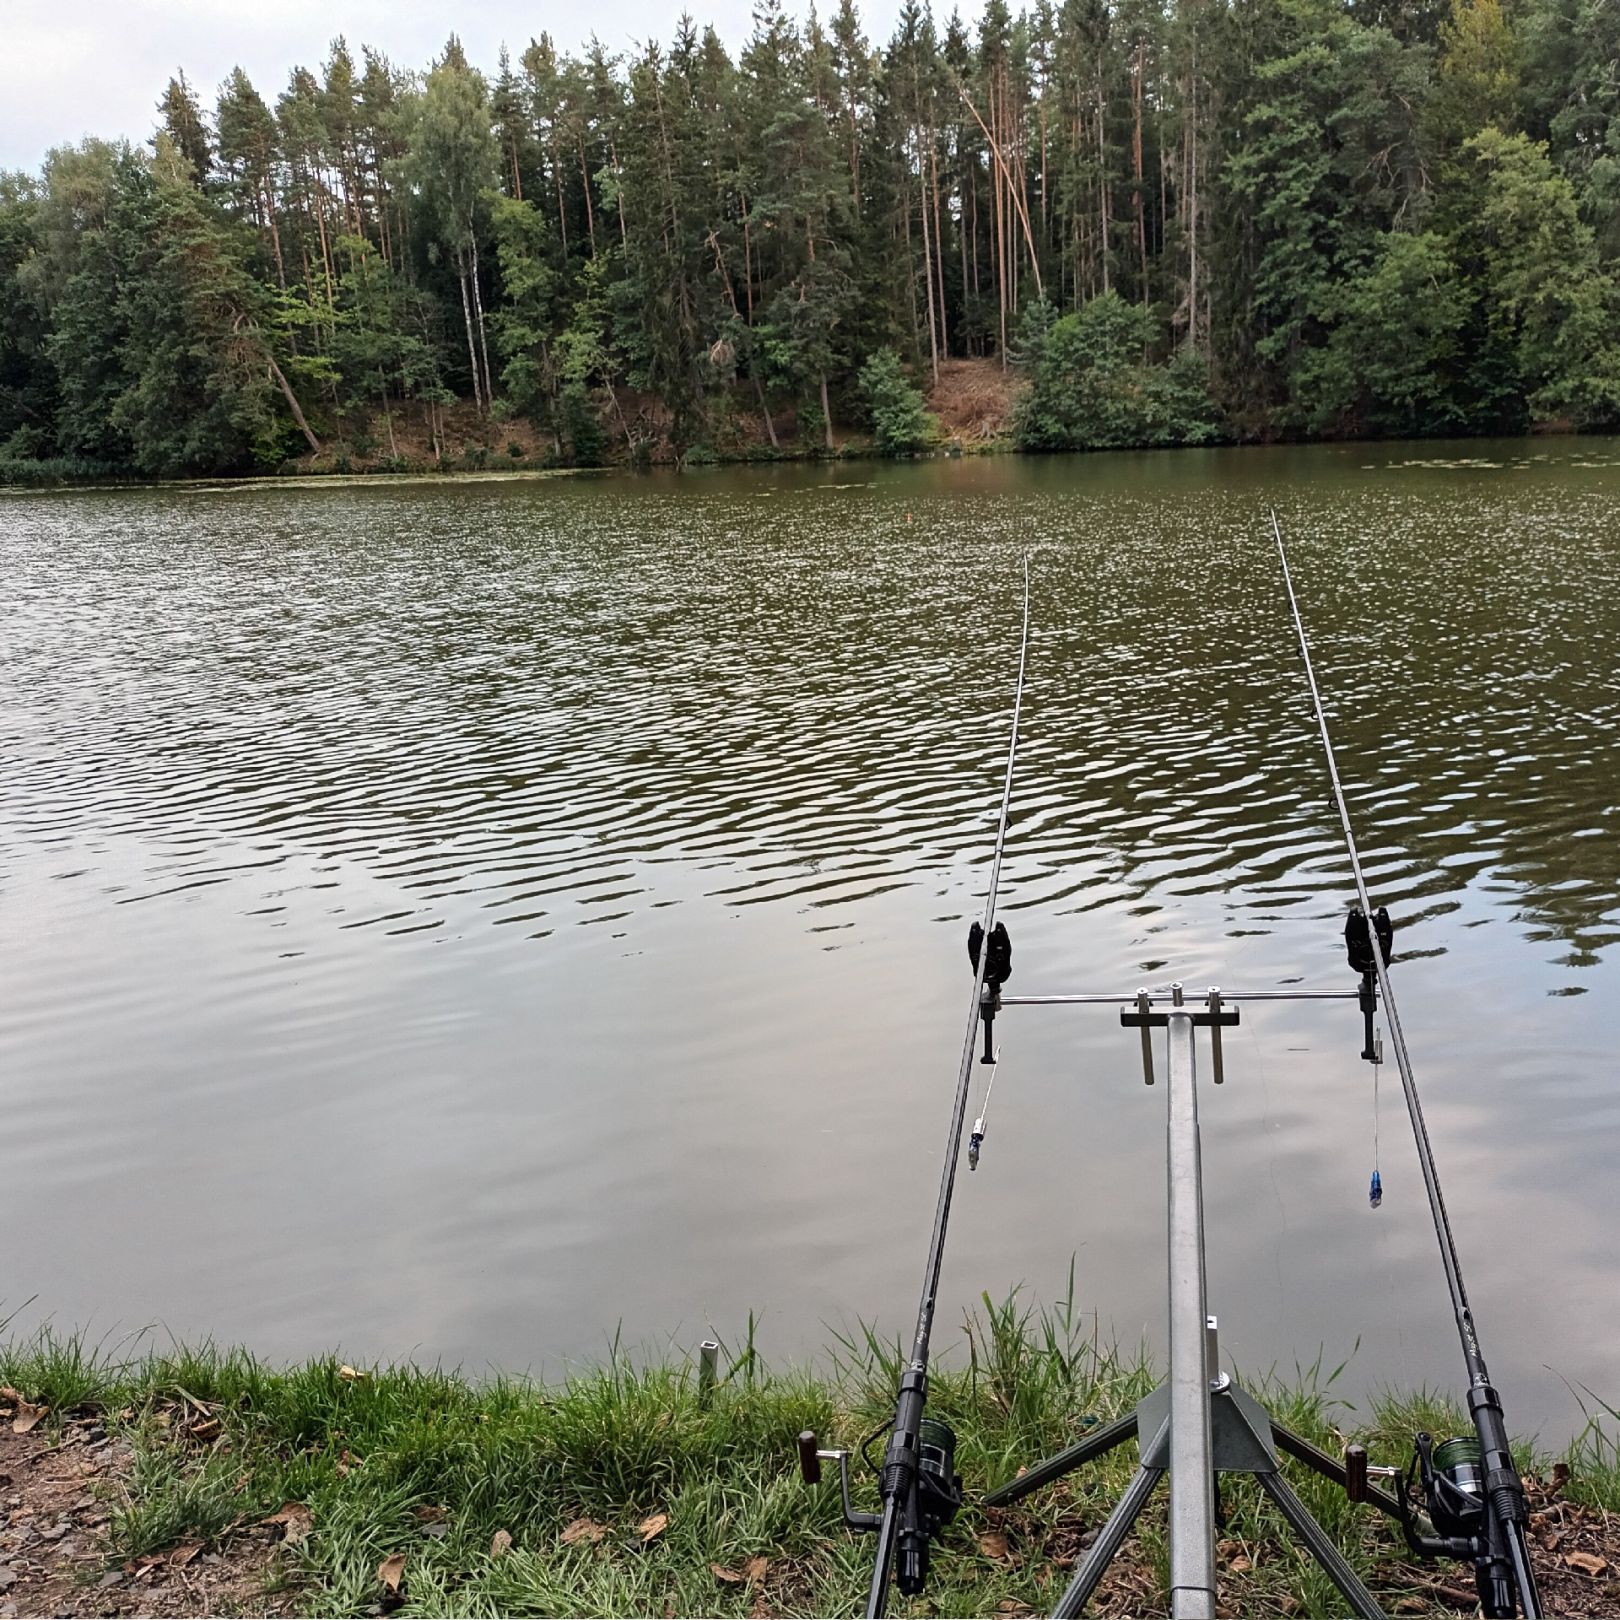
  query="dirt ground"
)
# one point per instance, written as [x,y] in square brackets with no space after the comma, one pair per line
[975,398]
[56,1493]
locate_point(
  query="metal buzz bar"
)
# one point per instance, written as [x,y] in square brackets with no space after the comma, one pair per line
[1199,1423]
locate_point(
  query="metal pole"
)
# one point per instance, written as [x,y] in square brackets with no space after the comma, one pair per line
[1192,1473]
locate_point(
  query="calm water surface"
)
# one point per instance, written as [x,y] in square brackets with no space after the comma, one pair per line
[468,920]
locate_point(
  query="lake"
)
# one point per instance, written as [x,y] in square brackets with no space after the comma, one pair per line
[473,920]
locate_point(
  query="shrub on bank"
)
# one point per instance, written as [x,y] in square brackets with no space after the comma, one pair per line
[1093,387]
[901,423]
[41,471]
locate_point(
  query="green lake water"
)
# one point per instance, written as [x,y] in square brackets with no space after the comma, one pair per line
[468,920]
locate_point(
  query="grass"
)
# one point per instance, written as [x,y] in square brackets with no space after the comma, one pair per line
[424,1462]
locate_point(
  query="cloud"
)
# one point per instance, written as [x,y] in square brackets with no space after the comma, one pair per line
[100,67]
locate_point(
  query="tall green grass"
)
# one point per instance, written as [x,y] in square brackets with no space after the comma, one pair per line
[425,1462]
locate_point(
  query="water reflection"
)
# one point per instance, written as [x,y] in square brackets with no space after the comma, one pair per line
[641,815]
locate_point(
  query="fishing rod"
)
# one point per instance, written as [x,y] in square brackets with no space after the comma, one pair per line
[1472,1488]
[918,1483]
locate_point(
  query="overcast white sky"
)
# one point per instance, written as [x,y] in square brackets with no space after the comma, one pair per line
[70,68]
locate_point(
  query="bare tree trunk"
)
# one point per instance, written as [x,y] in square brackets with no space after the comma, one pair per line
[1136,171]
[928,273]
[293,405]
[326,252]
[826,413]
[388,417]
[911,275]
[562,217]
[613,158]
[939,239]
[1000,247]
[962,242]
[854,148]
[1014,204]
[1192,216]
[585,181]
[472,347]
[1102,179]
[483,336]
[765,411]
[748,260]
[973,257]
[266,194]
[1045,228]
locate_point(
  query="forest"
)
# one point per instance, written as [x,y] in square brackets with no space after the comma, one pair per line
[1173,221]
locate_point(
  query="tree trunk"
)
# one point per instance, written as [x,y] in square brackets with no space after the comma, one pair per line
[962,242]
[562,218]
[585,181]
[388,417]
[613,158]
[765,411]
[293,405]
[939,240]
[1192,217]
[1102,182]
[472,347]
[483,336]
[928,273]
[826,413]
[1136,174]
[275,234]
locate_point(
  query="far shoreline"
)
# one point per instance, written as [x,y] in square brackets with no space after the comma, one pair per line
[853,452]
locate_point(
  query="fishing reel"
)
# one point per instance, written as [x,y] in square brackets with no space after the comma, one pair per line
[1449,1479]
[1358,947]
[930,1483]
[997,971]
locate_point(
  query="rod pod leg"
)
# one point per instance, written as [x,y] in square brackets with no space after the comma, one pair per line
[1065,1462]
[1361,1602]
[1109,1540]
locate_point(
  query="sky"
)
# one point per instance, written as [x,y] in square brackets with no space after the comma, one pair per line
[70,68]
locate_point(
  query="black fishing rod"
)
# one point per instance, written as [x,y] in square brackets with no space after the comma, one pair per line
[918,1484]
[1475,1498]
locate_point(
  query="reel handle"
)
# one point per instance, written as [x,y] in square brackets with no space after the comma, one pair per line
[1355,1473]
[811,1457]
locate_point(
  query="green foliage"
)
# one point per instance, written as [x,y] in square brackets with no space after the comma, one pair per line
[525,326]
[1478,80]
[901,424]
[1094,388]
[1398,216]
[1547,302]
[1389,364]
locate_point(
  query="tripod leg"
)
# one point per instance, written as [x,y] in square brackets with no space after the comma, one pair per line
[1329,1467]
[1043,1473]
[1109,1540]
[1361,1601]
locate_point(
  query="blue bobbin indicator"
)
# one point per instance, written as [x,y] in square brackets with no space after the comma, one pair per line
[1375,1193]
